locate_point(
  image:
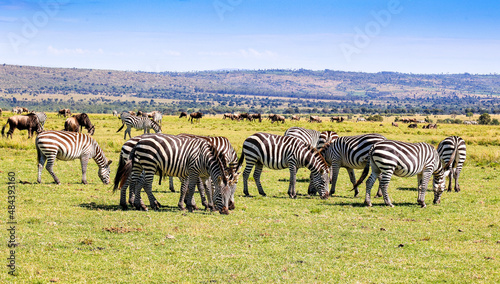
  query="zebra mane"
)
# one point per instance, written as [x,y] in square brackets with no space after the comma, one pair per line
[317,153]
[325,147]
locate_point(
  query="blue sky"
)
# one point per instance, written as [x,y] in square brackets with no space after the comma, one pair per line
[186,35]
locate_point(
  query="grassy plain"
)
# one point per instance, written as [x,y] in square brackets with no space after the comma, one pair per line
[74,233]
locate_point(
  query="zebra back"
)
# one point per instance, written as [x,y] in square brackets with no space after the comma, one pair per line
[351,151]
[308,136]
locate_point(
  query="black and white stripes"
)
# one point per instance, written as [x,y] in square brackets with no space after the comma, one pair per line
[63,145]
[137,122]
[445,150]
[312,137]
[280,152]
[388,158]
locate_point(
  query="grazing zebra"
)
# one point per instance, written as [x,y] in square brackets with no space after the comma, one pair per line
[63,145]
[350,152]
[312,137]
[445,150]
[280,152]
[404,159]
[42,117]
[157,117]
[138,123]
[183,157]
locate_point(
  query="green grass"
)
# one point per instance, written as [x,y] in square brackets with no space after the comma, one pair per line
[74,233]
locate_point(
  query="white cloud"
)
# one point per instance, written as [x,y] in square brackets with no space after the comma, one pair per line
[242,53]
[8,19]
[72,51]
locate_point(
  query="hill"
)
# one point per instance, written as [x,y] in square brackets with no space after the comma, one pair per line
[301,90]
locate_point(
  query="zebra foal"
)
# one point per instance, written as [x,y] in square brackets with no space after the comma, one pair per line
[403,159]
[280,152]
[445,150]
[138,123]
[64,145]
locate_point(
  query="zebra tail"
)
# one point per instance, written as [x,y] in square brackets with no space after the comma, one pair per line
[119,171]
[240,161]
[452,159]
[363,175]
[121,127]
[125,173]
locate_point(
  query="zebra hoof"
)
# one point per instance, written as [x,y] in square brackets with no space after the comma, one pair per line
[224,211]
[124,207]
[158,205]
[231,205]
[84,182]
[356,192]
[422,204]
[191,208]
[369,204]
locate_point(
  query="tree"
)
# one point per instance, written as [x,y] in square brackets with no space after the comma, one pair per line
[484,119]
[469,114]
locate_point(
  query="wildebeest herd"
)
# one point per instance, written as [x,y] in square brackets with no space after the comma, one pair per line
[212,164]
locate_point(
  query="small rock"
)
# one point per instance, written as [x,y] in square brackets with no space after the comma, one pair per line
[170,236]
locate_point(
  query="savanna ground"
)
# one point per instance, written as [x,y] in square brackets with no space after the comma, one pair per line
[75,233]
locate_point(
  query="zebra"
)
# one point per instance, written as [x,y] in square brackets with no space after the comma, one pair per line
[350,152]
[445,150]
[182,157]
[124,157]
[312,137]
[404,159]
[223,146]
[42,117]
[64,145]
[115,113]
[280,152]
[138,123]
[157,117]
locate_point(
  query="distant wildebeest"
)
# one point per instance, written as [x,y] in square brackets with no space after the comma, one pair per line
[279,118]
[17,110]
[22,122]
[295,117]
[141,113]
[77,122]
[246,115]
[395,124]
[42,117]
[236,116]
[183,114]
[313,118]
[25,109]
[64,112]
[413,125]
[227,115]
[337,119]
[256,116]
[195,115]
[115,113]
[430,126]
[360,119]
[157,117]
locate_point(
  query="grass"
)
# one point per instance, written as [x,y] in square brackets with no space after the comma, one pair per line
[75,233]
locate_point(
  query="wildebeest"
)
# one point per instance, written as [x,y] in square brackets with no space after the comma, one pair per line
[246,115]
[64,112]
[395,124]
[22,122]
[313,118]
[413,125]
[278,118]
[256,116]
[195,115]
[295,117]
[337,119]
[183,114]
[227,115]
[430,126]
[17,110]
[157,117]
[77,122]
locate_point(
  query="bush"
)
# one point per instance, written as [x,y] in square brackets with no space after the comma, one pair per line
[484,119]
[495,121]
[375,117]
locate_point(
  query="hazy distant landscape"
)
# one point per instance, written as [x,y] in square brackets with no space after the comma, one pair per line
[278,90]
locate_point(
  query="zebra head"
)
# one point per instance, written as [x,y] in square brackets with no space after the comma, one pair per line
[439,179]
[156,127]
[224,182]
[104,171]
[319,173]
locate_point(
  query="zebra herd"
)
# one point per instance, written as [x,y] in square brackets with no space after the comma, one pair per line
[211,163]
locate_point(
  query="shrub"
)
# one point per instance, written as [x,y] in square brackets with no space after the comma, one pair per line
[376,117]
[484,119]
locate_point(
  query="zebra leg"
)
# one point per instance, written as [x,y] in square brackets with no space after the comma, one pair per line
[202,190]
[49,167]
[369,184]
[384,180]
[41,163]
[84,162]
[128,130]
[171,184]
[207,183]
[148,188]
[256,176]
[457,174]
[311,190]
[335,174]
[293,180]
[246,174]
[426,176]
[450,178]
[184,184]
[135,187]
[352,177]
[193,180]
